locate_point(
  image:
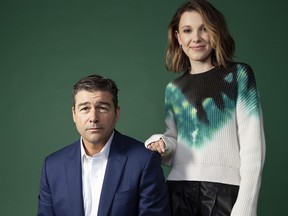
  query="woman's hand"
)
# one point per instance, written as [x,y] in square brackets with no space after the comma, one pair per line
[158,146]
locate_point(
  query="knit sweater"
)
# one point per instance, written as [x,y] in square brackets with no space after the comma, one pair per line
[214,131]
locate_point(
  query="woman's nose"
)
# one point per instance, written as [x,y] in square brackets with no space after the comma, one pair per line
[196,37]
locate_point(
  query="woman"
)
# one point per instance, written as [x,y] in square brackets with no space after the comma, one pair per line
[214,141]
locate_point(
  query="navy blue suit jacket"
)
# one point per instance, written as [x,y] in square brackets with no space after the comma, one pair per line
[133,184]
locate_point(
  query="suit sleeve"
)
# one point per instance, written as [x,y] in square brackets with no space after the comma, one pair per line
[153,190]
[45,205]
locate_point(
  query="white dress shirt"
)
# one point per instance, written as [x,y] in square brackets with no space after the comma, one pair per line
[93,172]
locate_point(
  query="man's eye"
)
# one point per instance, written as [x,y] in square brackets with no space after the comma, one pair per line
[102,109]
[84,108]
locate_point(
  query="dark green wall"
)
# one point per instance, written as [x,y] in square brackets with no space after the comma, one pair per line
[46,46]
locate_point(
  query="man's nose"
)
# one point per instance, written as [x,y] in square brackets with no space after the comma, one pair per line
[94,115]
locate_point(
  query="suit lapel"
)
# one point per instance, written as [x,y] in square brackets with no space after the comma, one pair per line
[114,170]
[74,180]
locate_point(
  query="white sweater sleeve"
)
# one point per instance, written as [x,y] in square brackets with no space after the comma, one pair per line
[251,146]
[252,154]
[169,137]
[169,147]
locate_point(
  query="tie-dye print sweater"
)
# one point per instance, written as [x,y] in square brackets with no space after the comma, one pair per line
[215,131]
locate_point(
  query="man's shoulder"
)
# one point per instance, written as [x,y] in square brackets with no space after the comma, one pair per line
[135,149]
[131,143]
[65,152]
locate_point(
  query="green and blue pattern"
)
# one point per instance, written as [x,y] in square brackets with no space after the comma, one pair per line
[200,116]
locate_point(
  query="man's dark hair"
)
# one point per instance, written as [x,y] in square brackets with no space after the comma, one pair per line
[94,83]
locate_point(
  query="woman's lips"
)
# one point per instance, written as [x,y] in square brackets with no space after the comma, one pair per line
[197,48]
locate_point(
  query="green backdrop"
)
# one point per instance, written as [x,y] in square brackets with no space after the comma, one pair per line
[46,46]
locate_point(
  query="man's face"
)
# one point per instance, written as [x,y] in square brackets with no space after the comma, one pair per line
[95,116]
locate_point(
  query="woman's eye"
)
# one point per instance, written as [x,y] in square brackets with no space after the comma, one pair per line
[187,30]
[203,29]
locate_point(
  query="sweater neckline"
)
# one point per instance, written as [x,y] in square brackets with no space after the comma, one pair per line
[205,73]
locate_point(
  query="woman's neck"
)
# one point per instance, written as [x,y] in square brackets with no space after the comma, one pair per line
[200,67]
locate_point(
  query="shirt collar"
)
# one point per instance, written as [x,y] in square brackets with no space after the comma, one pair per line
[104,151]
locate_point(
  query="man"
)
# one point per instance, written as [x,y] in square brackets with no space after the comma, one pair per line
[105,172]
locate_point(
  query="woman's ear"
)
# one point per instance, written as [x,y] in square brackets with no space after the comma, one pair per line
[178,38]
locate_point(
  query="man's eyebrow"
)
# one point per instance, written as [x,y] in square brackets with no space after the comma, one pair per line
[83,104]
[103,103]
[98,103]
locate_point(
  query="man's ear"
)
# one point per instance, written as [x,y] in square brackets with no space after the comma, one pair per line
[117,113]
[73,113]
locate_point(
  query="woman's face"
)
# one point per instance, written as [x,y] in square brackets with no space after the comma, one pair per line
[194,38]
